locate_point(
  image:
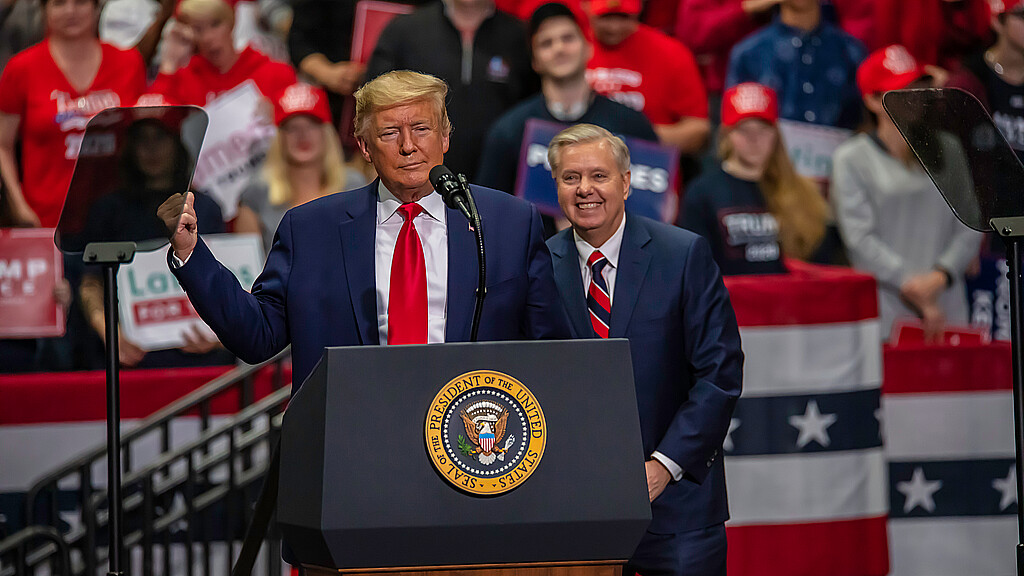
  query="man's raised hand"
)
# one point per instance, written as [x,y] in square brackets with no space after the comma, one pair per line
[181,223]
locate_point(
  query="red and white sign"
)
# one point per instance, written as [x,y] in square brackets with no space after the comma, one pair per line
[236,145]
[30,269]
[155,312]
[371,18]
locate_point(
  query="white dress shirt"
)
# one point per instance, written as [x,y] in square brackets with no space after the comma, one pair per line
[431,226]
[611,250]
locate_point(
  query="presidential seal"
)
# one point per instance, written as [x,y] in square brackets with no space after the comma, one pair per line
[485,432]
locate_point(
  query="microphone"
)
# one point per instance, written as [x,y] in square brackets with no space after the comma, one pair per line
[455,192]
[450,189]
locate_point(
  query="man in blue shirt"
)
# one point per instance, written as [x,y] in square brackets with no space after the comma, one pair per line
[811,64]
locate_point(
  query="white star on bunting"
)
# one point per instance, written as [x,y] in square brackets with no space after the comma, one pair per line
[919,491]
[1008,487]
[734,423]
[813,425]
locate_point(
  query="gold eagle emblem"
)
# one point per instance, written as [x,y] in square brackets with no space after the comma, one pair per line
[486,433]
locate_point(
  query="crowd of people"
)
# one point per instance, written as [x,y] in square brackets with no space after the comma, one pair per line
[713,79]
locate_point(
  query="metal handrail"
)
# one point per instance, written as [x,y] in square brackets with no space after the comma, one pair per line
[158,479]
[185,404]
[20,540]
[168,485]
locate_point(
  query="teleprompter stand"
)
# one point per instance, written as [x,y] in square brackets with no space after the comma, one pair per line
[360,493]
[981,179]
[107,217]
[110,256]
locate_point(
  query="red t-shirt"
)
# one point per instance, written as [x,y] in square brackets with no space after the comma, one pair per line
[199,82]
[652,73]
[54,115]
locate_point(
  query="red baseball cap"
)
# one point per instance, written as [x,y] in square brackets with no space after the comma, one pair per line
[301,98]
[603,7]
[1003,6]
[891,68]
[749,100]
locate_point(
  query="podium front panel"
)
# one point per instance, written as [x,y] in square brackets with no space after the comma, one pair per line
[358,489]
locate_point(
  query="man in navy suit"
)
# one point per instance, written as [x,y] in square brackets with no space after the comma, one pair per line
[384,264]
[624,276]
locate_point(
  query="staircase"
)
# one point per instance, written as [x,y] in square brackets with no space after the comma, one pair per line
[185,509]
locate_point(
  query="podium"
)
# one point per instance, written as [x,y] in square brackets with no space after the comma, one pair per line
[507,457]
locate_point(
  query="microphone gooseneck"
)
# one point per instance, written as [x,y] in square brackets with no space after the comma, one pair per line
[454,190]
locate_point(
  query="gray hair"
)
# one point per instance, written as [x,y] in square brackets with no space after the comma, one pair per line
[585,134]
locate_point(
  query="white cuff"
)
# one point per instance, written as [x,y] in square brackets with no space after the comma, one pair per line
[178,262]
[673,468]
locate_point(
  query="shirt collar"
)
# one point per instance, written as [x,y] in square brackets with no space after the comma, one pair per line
[610,249]
[388,203]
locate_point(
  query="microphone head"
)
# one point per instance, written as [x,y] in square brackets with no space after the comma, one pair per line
[439,172]
[446,184]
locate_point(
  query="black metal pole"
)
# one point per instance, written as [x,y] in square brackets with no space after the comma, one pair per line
[115,545]
[1013,254]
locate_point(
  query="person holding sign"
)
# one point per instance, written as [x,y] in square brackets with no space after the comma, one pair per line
[385,264]
[754,208]
[625,276]
[304,163]
[154,165]
[560,52]
[893,221]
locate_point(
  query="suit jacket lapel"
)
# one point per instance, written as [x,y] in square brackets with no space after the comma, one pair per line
[462,277]
[358,246]
[566,262]
[633,263]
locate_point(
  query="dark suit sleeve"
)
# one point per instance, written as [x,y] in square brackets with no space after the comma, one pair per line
[545,316]
[712,347]
[252,326]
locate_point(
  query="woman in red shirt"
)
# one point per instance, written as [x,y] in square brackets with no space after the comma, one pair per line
[47,95]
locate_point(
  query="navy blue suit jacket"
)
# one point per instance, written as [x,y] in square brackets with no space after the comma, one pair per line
[318,287]
[670,302]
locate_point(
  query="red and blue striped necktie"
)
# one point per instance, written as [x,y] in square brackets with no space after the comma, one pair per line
[598,300]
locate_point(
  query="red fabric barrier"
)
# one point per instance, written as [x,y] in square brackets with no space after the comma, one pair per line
[848,548]
[826,295]
[918,369]
[81,396]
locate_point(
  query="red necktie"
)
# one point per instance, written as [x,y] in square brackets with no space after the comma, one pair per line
[407,298]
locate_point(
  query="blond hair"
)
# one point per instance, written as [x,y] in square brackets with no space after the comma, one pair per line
[794,201]
[276,166]
[585,134]
[398,88]
[217,9]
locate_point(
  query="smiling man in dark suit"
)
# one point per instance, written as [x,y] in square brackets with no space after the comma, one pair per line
[624,276]
[384,264]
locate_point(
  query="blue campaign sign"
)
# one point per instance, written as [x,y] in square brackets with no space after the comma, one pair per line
[653,170]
